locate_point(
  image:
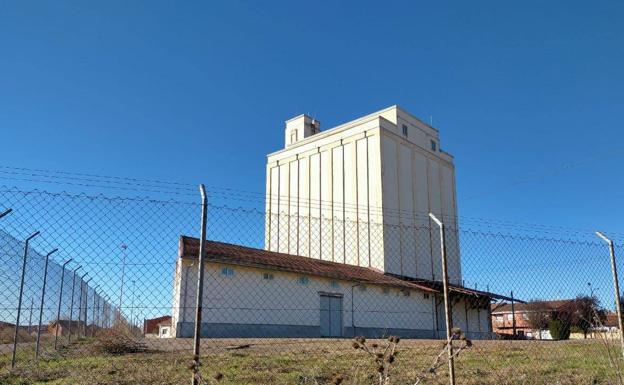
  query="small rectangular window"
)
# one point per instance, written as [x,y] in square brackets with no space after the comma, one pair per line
[434,145]
[510,317]
[406,293]
[227,272]
[405,129]
[426,295]
[303,280]
[362,288]
[334,284]
[267,276]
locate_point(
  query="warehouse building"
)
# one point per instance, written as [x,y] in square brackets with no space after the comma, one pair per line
[349,246]
[258,293]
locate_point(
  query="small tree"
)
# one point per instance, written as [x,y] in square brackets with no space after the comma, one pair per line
[538,316]
[581,312]
[559,329]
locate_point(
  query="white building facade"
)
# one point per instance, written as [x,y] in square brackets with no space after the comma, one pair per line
[360,194]
[257,293]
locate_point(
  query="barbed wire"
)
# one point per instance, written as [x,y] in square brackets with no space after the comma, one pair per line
[263,198]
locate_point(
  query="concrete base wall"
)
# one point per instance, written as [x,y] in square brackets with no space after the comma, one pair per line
[214,330]
[383,333]
[217,330]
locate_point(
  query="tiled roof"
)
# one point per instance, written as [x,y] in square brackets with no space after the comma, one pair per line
[251,257]
[457,290]
[530,306]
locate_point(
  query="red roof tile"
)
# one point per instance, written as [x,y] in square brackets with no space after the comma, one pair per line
[530,306]
[247,256]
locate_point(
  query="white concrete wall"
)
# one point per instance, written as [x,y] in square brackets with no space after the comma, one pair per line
[415,183]
[319,200]
[246,298]
[360,194]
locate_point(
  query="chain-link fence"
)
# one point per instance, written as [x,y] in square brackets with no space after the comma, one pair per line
[304,297]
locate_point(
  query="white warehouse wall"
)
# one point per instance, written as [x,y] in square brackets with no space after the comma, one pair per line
[246,305]
[241,304]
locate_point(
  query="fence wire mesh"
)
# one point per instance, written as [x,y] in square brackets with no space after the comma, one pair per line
[319,295]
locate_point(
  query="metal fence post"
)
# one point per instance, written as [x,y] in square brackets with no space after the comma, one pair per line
[200,285]
[45,279]
[71,306]
[21,293]
[616,286]
[58,311]
[5,212]
[447,300]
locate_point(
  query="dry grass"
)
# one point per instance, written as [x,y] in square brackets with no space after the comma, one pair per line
[317,362]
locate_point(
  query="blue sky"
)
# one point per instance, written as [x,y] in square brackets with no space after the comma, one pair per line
[527,96]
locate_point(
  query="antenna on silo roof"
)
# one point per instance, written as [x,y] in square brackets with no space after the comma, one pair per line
[431,120]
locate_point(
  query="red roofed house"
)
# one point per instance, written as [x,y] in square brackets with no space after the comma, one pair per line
[157,327]
[507,319]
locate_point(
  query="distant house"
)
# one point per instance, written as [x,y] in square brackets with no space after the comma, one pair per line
[64,327]
[515,320]
[609,327]
[158,327]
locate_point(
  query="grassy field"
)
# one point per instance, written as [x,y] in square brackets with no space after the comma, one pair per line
[315,362]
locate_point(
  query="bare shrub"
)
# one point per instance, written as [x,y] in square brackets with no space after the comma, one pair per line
[383,356]
[118,340]
[7,334]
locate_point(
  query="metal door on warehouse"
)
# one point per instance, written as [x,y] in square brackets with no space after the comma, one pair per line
[331,315]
